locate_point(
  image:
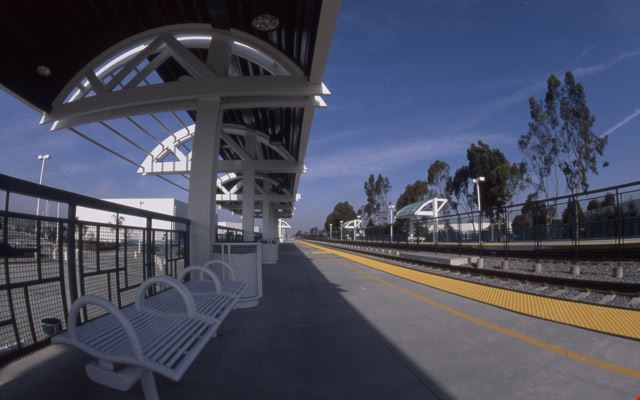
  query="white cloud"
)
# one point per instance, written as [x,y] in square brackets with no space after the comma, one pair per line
[389,155]
[485,110]
[622,123]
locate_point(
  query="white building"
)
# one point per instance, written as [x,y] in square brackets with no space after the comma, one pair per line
[167,206]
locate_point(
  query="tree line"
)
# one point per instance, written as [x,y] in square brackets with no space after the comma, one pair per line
[560,151]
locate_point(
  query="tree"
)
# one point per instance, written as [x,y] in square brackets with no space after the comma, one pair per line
[343,211]
[437,177]
[314,231]
[560,138]
[376,190]
[412,193]
[502,179]
[533,213]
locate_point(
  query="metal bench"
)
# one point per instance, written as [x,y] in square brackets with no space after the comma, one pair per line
[162,333]
[229,284]
[131,344]
[212,303]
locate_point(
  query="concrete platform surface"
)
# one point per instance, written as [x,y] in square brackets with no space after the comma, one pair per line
[328,328]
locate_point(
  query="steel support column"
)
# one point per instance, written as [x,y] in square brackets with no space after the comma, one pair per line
[202,185]
[248,204]
[267,223]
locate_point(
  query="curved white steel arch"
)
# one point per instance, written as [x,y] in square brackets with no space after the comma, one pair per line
[233,177]
[155,163]
[109,86]
[199,36]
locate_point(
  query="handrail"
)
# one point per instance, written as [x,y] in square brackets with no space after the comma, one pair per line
[20,186]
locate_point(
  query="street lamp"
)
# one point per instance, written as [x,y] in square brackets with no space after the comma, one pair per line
[476,181]
[331,231]
[391,208]
[341,223]
[43,158]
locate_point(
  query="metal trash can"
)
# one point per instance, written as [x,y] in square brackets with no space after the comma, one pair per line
[51,326]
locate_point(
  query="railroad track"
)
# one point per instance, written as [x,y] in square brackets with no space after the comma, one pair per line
[591,250]
[554,283]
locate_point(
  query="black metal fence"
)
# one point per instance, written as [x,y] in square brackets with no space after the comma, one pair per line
[47,262]
[607,217]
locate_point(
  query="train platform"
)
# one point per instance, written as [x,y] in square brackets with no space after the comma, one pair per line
[332,327]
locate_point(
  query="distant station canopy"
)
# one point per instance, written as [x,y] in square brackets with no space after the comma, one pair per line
[424,208]
[182,90]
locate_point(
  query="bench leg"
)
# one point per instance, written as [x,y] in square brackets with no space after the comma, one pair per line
[149,386]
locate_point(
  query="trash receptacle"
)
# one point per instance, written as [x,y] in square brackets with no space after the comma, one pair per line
[51,326]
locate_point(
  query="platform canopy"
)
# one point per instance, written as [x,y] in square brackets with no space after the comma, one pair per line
[184,90]
[99,62]
[420,209]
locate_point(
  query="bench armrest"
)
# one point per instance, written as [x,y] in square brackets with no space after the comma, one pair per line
[126,326]
[166,281]
[224,265]
[206,271]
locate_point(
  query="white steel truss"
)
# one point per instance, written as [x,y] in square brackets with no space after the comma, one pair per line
[120,83]
[230,189]
[197,70]
[157,163]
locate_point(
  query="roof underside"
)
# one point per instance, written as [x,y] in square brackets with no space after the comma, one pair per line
[409,211]
[65,35]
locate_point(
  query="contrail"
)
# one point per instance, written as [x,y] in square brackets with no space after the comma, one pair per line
[622,123]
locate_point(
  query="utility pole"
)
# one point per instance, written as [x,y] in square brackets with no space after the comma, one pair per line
[43,158]
[476,182]
[391,208]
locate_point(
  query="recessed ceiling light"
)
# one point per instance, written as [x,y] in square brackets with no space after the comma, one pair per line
[43,70]
[265,22]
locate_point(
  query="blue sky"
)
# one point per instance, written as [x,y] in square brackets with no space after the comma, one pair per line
[411,83]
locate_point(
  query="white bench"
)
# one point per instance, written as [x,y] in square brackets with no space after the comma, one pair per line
[132,343]
[162,333]
[230,285]
[212,303]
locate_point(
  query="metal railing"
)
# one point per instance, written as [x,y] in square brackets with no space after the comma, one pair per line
[571,224]
[47,262]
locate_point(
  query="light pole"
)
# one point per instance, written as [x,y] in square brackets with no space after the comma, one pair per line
[391,208]
[341,223]
[331,231]
[476,182]
[43,158]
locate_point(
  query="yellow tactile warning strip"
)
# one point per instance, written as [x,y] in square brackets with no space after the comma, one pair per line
[582,358]
[608,320]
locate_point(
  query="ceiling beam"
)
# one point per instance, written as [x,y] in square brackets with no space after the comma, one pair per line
[149,98]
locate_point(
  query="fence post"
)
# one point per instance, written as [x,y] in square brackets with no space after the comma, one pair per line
[618,226]
[459,233]
[536,230]
[506,232]
[187,250]
[149,249]
[71,252]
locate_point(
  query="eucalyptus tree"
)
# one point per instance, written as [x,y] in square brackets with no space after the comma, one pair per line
[377,191]
[560,141]
[502,179]
[438,176]
[342,211]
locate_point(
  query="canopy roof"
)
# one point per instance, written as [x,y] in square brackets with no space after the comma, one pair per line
[65,35]
[118,72]
[422,208]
